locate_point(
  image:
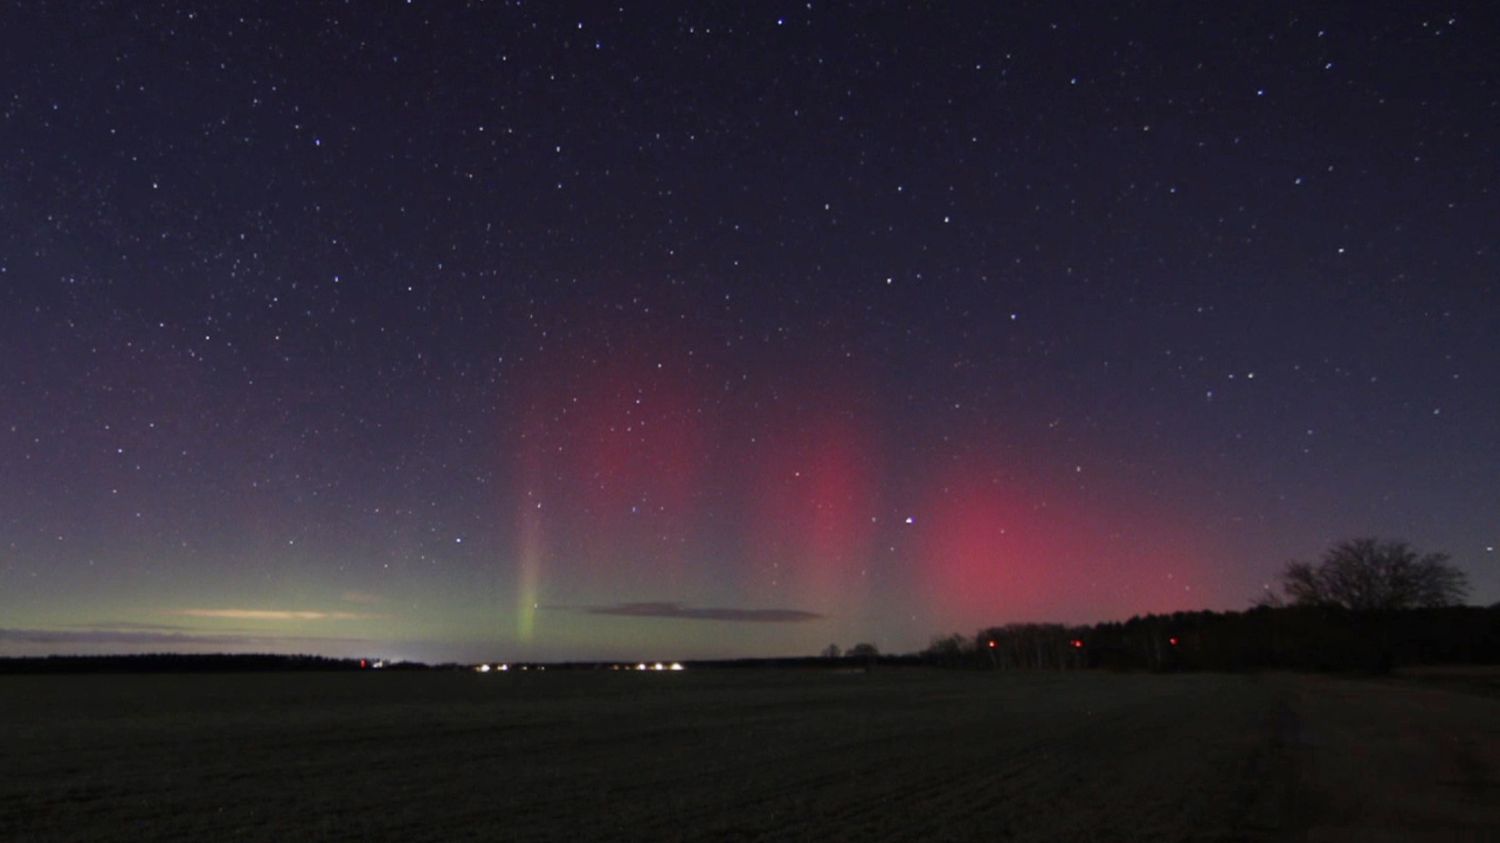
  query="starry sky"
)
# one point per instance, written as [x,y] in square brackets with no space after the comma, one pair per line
[546,330]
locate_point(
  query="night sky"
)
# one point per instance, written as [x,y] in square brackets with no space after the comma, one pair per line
[536,330]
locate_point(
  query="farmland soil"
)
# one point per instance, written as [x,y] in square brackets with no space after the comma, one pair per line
[897,754]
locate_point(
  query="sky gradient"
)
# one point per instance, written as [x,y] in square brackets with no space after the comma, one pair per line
[506,331]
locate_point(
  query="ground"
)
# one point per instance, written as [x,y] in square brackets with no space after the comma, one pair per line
[899,754]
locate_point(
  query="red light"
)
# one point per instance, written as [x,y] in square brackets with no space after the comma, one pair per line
[1077,644]
[992,645]
[363,664]
[1172,641]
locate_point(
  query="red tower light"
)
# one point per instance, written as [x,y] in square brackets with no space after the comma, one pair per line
[992,644]
[1077,643]
[1173,641]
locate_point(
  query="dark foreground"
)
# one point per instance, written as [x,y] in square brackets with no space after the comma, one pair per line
[895,754]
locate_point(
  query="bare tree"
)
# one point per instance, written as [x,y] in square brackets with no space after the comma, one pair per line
[1368,574]
[831,651]
[950,650]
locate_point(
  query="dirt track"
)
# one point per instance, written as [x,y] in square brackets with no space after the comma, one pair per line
[903,755]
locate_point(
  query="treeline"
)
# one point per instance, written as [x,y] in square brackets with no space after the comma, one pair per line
[823,662]
[177,663]
[1297,637]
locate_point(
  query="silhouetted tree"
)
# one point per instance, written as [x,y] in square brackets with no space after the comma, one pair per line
[864,651]
[1367,574]
[1033,646]
[831,651]
[950,651]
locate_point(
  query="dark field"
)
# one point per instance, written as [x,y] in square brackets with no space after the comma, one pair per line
[895,754]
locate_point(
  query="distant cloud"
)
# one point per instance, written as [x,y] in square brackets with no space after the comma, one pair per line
[115,626]
[363,598]
[681,612]
[135,637]
[275,615]
[93,638]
